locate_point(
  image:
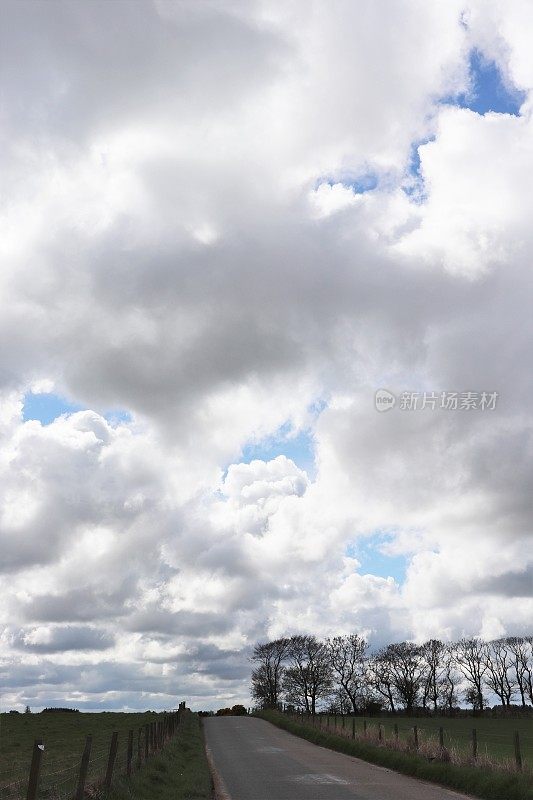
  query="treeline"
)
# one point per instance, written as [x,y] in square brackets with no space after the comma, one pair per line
[340,675]
[234,711]
[56,710]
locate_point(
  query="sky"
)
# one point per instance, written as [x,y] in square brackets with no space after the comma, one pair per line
[225,226]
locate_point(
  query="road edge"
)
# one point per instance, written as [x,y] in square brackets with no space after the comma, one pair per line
[220,791]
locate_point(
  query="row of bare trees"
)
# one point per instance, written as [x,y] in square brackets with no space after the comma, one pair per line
[340,674]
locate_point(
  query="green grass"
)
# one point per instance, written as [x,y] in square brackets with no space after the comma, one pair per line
[64,736]
[180,772]
[483,783]
[494,735]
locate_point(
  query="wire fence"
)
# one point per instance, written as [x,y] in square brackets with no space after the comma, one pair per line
[79,775]
[511,751]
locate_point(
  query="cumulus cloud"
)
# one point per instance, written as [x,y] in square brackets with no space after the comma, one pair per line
[217,223]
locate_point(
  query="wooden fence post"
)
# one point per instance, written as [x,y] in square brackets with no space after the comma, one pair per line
[111,759]
[415,733]
[380,732]
[474,744]
[35,768]
[517,753]
[146,741]
[441,738]
[353,728]
[129,754]
[84,766]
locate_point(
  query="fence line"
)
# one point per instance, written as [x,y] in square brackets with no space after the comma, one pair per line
[128,750]
[377,734]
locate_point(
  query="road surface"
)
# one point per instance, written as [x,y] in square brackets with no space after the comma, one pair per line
[254,760]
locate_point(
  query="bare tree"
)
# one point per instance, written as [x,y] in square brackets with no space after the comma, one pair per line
[469,656]
[449,680]
[529,671]
[379,673]
[498,659]
[407,672]
[521,650]
[308,677]
[433,654]
[347,659]
[267,677]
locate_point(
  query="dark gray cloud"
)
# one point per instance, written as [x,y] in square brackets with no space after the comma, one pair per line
[516,584]
[64,638]
[94,66]
[183,623]
[81,605]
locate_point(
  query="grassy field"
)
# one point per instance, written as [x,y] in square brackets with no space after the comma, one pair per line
[489,784]
[494,736]
[64,736]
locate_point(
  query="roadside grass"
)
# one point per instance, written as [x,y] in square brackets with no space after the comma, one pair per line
[494,735]
[488,783]
[179,772]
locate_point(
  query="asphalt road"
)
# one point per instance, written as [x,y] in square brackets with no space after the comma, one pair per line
[254,760]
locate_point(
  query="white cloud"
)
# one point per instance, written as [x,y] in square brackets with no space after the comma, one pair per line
[181,241]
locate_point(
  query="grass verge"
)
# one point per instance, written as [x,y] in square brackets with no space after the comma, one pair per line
[489,785]
[179,772]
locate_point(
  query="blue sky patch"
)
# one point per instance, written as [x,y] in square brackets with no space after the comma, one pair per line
[374,562]
[488,91]
[363,183]
[48,406]
[359,184]
[414,157]
[414,186]
[299,448]
[117,416]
